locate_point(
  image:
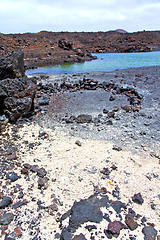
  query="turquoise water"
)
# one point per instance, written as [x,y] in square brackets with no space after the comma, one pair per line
[104,62]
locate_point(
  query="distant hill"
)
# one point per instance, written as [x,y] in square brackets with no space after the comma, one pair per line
[121,31]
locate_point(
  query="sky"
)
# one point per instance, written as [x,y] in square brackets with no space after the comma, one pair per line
[19,16]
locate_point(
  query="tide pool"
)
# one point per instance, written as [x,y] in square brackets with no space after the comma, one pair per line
[104,62]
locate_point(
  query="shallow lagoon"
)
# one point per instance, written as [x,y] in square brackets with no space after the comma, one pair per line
[104,62]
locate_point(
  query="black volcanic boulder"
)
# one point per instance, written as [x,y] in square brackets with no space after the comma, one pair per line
[12,66]
[17,92]
[64,44]
[17,97]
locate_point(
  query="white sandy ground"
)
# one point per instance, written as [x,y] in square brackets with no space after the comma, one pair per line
[73,172]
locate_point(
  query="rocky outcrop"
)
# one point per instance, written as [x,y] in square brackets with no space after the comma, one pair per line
[12,66]
[65,45]
[17,92]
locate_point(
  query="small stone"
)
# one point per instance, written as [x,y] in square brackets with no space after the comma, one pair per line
[137,198]
[18,232]
[126,108]
[34,168]
[111,114]
[79,237]
[24,170]
[149,232]
[19,204]
[112,98]
[115,227]
[52,209]
[41,172]
[6,219]
[90,227]
[42,183]
[105,111]
[109,122]
[43,134]
[12,176]
[84,118]
[12,156]
[117,148]
[135,109]
[108,234]
[105,171]
[78,143]
[130,222]
[5,202]
[115,109]
[27,165]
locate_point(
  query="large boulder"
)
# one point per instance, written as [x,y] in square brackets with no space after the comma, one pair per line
[64,44]
[17,92]
[12,66]
[17,97]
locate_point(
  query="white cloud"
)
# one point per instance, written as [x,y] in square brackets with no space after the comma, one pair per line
[79,15]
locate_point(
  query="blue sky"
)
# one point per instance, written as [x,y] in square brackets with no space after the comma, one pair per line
[18,16]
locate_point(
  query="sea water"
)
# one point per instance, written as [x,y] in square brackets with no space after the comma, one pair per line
[104,62]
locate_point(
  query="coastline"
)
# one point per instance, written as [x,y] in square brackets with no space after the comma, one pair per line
[74,156]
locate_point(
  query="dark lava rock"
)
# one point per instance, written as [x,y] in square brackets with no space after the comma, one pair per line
[17,92]
[108,234]
[17,98]
[43,134]
[41,172]
[34,168]
[77,142]
[149,232]
[111,114]
[115,109]
[117,148]
[90,227]
[112,98]
[24,170]
[137,198]
[43,183]
[3,122]
[105,111]
[79,237]
[12,176]
[84,118]
[6,219]
[109,122]
[115,227]
[52,209]
[12,66]
[66,234]
[116,192]
[43,102]
[86,210]
[27,165]
[5,202]
[126,108]
[130,222]
[117,205]
[19,204]
[106,172]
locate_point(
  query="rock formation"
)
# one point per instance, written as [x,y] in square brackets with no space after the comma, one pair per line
[17,92]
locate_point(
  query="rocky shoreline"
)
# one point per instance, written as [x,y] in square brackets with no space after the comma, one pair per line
[48,48]
[85,162]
